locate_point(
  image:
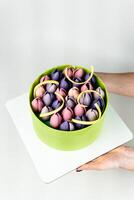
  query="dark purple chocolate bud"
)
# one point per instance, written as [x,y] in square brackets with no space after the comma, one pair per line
[77,80]
[56,104]
[56,75]
[79,126]
[64,84]
[70,102]
[100,103]
[64,126]
[92,80]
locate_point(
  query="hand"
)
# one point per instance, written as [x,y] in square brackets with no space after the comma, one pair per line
[113,159]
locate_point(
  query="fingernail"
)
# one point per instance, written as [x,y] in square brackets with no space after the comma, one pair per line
[78,170]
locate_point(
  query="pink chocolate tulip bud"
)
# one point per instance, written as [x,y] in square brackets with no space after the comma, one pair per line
[79,73]
[37,104]
[62,92]
[67,113]
[70,72]
[40,91]
[44,78]
[87,86]
[55,120]
[79,110]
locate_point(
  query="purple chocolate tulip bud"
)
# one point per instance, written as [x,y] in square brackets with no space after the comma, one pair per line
[92,80]
[77,80]
[79,73]
[56,104]
[44,78]
[79,126]
[56,75]
[92,114]
[100,103]
[37,104]
[85,99]
[48,98]
[64,84]
[51,87]
[70,102]
[40,91]
[79,110]
[46,109]
[67,113]
[65,126]
[71,126]
[55,120]
[100,91]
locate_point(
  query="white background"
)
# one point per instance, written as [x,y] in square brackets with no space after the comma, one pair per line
[35,35]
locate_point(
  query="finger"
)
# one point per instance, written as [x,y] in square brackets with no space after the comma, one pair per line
[91,166]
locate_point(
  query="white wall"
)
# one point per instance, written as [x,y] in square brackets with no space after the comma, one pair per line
[36,34]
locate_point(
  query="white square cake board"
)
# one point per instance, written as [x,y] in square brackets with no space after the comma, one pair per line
[52,164]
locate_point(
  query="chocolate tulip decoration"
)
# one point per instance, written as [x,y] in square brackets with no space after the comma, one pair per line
[67,126]
[79,73]
[77,80]
[48,98]
[56,104]
[40,91]
[82,118]
[46,109]
[86,86]
[85,99]
[70,72]
[64,84]
[55,120]
[79,110]
[100,103]
[70,102]
[56,75]
[100,91]
[37,104]
[69,99]
[93,79]
[44,78]
[92,114]
[67,113]
[51,87]
[74,92]
[62,92]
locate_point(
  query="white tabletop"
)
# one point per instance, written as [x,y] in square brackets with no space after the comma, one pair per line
[38,34]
